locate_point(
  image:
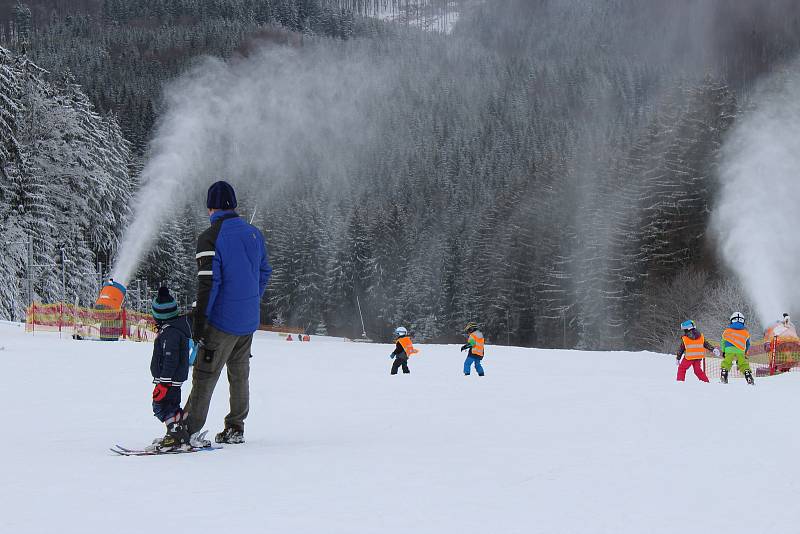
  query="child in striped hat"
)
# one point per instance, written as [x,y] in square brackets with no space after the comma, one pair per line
[170,368]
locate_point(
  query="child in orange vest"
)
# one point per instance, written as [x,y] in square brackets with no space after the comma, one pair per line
[692,352]
[735,346]
[402,351]
[475,345]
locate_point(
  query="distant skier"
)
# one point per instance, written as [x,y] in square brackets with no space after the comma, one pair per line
[736,344]
[475,344]
[692,351]
[170,368]
[403,350]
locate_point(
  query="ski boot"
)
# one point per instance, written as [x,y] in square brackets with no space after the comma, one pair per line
[724,376]
[198,440]
[748,375]
[177,436]
[231,435]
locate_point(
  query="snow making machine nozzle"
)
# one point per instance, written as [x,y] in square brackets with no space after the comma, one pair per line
[111,297]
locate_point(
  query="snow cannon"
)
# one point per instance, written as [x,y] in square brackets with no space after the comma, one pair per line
[111,296]
[109,304]
[782,344]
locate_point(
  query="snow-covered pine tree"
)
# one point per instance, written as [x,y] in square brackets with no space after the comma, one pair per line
[28,212]
[23,26]
[392,253]
[353,274]
[13,238]
[81,161]
[67,189]
[10,94]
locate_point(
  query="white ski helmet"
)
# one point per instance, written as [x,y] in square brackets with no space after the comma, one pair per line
[737,317]
[400,331]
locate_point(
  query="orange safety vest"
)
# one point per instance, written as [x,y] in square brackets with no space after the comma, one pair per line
[737,338]
[695,348]
[477,348]
[405,342]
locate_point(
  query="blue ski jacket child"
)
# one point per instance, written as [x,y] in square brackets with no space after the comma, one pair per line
[170,362]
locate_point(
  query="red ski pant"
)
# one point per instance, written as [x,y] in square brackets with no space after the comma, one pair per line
[698,369]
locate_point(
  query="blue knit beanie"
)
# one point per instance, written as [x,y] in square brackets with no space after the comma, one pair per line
[164,306]
[221,196]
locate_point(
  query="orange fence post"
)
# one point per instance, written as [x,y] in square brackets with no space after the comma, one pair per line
[124,324]
[773,356]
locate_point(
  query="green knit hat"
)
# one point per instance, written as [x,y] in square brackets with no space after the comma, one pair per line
[164,305]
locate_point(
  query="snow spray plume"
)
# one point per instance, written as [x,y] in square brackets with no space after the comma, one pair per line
[258,121]
[758,211]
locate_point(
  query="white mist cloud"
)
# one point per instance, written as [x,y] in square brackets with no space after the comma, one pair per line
[279,114]
[757,219]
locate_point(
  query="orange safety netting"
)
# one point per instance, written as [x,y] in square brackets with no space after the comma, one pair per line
[767,357]
[90,323]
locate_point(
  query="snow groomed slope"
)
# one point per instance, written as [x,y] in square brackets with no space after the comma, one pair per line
[548,441]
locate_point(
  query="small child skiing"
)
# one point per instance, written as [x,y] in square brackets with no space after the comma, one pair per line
[475,344]
[402,351]
[736,344]
[692,351]
[170,368]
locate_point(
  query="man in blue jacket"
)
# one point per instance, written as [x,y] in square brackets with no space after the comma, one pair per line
[232,274]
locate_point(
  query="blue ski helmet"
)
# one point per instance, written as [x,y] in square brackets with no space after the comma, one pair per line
[687,325]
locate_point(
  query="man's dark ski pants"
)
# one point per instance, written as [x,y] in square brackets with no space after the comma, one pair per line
[221,349]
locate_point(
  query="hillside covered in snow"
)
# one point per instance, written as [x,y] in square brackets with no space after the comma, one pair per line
[547,442]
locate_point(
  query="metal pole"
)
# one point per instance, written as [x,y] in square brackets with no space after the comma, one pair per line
[255,210]
[63,290]
[63,275]
[564,321]
[29,269]
[363,329]
[508,329]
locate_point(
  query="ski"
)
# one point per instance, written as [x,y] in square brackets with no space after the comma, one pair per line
[123,451]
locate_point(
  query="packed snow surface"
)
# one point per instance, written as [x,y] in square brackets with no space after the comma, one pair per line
[547,442]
